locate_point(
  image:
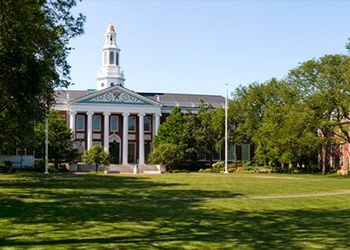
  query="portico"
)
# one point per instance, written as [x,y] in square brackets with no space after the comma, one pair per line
[122,130]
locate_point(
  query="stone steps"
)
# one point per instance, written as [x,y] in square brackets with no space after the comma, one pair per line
[119,168]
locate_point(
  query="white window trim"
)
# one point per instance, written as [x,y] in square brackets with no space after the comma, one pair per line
[77,122]
[93,123]
[110,123]
[150,124]
[132,118]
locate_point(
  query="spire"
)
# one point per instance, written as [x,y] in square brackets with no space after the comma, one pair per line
[110,73]
[110,28]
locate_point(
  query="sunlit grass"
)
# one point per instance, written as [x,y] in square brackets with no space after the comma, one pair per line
[174,211]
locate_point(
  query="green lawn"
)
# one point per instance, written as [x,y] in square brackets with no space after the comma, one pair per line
[174,211]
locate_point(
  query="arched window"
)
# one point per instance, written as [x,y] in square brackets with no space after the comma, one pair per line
[111,57]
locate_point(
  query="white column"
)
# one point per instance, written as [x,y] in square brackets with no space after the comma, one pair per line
[157,123]
[72,121]
[106,131]
[89,129]
[125,138]
[141,139]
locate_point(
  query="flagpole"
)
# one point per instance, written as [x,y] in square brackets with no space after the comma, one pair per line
[226,136]
[46,144]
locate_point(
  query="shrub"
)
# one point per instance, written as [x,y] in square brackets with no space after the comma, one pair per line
[170,155]
[6,167]
[231,169]
[39,165]
[240,169]
[217,167]
[218,164]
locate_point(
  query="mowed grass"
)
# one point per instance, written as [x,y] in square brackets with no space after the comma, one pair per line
[174,211]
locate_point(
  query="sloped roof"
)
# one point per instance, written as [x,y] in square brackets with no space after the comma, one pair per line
[166,99]
[185,100]
[64,96]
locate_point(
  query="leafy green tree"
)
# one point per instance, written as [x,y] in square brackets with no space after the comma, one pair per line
[208,131]
[324,86]
[248,109]
[60,139]
[171,131]
[195,136]
[34,46]
[218,129]
[96,155]
[272,116]
[170,155]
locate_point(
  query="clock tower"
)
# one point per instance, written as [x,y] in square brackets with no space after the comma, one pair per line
[110,73]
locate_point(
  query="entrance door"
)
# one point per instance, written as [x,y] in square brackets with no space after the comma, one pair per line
[114,151]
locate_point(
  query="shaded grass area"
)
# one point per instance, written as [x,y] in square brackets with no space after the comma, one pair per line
[172,211]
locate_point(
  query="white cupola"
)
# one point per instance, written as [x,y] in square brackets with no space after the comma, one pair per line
[110,73]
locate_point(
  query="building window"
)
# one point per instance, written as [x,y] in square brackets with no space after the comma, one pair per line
[111,57]
[217,155]
[80,122]
[148,149]
[132,153]
[132,124]
[113,123]
[96,123]
[231,153]
[246,152]
[147,124]
[21,151]
[117,58]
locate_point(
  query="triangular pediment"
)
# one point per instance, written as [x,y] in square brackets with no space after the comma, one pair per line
[115,95]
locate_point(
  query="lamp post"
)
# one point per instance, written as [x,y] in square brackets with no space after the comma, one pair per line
[226,136]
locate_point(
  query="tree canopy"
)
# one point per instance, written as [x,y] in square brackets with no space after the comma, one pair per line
[188,138]
[96,155]
[34,46]
[60,142]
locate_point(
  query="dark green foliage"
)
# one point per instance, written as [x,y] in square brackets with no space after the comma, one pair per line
[39,165]
[60,139]
[34,46]
[272,116]
[170,155]
[6,167]
[188,138]
[324,87]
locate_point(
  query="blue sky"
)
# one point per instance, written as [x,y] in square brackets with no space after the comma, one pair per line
[197,46]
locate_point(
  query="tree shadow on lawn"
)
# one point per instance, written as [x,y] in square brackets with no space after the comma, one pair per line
[160,218]
[78,186]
